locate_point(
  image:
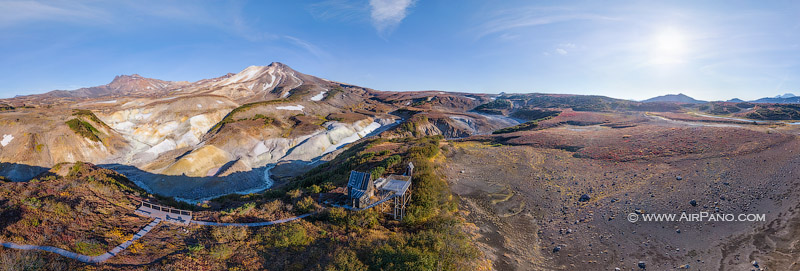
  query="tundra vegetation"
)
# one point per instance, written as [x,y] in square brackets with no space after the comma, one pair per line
[43,211]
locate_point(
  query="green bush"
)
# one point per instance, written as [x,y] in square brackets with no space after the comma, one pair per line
[230,117]
[332,93]
[521,127]
[221,252]
[345,260]
[90,248]
[377,172]
[534,114]
[241,210]
[494,107]
[83,129]
[359,220]
[196,248]
[89,115]
[32,202]
[314,189]
[426,150]
[305,205]
[227,234]
[392,161]
[285,235]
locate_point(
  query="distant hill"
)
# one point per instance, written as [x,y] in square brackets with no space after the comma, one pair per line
[787,98]
[121,85]
[674,98]
[735,100]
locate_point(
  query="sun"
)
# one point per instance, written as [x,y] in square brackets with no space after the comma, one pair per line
[669,47]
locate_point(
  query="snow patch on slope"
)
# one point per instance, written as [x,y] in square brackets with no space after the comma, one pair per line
[319,96]
[291,107]
[271,81]
[6,139]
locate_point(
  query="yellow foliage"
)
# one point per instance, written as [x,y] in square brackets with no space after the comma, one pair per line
[64,194]
[115,234]
[135,247]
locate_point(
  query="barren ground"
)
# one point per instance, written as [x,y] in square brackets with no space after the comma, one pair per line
[524,198]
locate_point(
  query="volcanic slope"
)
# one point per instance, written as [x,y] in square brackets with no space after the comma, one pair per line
[214,136]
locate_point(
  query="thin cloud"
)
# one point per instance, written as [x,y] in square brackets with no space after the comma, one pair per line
[388,14]
[564,47]
[340,10]
[505,20]
[16,12]
[311,48]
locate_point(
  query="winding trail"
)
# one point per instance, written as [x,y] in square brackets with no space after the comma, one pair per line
[87,258]
[140,234]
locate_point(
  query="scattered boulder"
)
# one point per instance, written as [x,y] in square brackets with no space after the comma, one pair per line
[755,264]
[693,202]
[556,249]
[642,265]
[584,198]
[678,178]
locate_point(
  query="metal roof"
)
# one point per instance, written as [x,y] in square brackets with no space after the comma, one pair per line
[358,180]
[357,193]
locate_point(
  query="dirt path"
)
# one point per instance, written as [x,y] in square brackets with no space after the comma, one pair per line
[87,258]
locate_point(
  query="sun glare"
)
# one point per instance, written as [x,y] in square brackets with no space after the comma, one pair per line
[669,47]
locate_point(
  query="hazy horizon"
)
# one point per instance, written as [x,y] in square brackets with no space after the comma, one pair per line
[628,50]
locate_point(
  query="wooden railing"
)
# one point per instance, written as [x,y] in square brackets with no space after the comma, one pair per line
[166,209]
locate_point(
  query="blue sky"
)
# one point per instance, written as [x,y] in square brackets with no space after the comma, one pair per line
[626,49]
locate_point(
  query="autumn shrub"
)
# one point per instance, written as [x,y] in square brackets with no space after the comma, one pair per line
[241,210]
[314,189]
[89,247]
[32,202]
[13,260]
[426,150]
[345,260]
[196,248]
[225,234]
[367,219]
[136,247]
[284,236]
[295,193]
[271,206]
[221,252]
[305,205]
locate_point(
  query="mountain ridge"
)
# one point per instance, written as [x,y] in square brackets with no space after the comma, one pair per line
[677,98]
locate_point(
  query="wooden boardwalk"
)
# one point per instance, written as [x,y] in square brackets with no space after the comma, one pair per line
[86,258]
[159,213]
[165,213]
